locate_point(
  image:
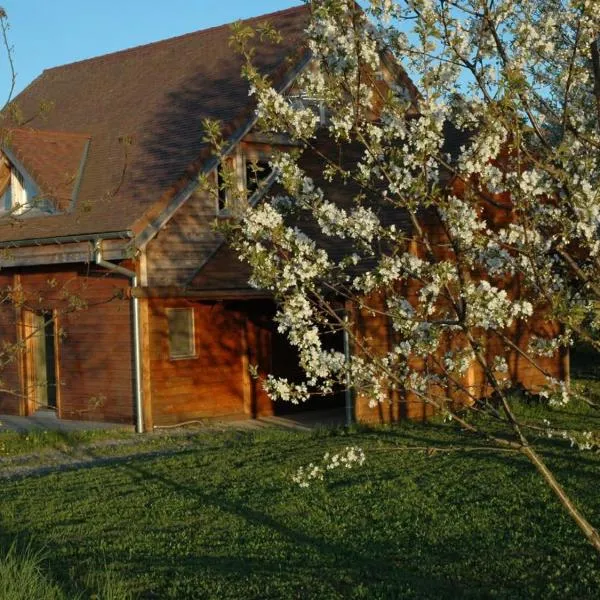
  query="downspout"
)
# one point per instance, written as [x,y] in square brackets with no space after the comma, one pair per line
[135,309]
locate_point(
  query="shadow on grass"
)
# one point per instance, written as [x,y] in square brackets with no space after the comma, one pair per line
[303,563]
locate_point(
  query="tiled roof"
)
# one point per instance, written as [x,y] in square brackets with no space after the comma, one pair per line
[142,111]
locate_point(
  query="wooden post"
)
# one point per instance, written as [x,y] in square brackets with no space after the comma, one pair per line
[249,401]
[22,356]
[146,366]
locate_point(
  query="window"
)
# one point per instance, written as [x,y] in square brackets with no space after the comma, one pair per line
[302,101]
[17,193]
[222,191]
[181,332]
[256,172]
[227,185]
[5,186]
[239,177]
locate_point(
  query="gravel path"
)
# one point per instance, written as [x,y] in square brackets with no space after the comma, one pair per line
[65,457]
[105,452]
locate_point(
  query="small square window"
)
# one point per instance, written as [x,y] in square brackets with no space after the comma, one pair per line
[181,332]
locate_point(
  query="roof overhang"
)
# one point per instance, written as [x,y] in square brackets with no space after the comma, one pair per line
[62,250]
[198,294]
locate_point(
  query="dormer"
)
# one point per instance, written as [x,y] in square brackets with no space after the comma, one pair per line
[40,171]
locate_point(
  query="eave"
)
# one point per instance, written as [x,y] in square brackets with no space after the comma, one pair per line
[196,294]
[62,250]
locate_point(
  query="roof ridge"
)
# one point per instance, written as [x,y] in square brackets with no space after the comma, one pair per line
[110,55]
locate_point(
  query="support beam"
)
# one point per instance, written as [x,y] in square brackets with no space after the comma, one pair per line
[181,292]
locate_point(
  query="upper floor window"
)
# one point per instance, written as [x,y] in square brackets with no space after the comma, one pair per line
[224,177]
[256,169]
[239,177]
[302,100]
[17,192]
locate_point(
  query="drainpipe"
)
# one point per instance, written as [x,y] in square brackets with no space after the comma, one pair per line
[135,309]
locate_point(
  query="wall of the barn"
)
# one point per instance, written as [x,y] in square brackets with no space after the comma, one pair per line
[216,381]
[375,335]
[11,401]
[93,345]
[184,243]
[377,338]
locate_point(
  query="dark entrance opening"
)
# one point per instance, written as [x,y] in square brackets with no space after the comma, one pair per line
[50,343]
[285,363]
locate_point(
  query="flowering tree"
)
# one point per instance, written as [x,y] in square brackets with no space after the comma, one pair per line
[472,204]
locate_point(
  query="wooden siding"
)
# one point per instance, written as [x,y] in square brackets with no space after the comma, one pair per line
[58,253]
[374,334]
[95,371]
[215,382]
[96,356]
[11,399]
[184,243]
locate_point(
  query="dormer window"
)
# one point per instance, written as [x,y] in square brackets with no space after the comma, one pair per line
[17,192]
[256,171]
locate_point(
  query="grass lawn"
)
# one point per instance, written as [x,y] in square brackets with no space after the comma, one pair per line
[216,515]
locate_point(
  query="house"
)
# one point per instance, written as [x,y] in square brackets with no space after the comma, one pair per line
[120,302]
[106,232]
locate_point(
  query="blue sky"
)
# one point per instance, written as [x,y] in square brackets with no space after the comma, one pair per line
[47,33]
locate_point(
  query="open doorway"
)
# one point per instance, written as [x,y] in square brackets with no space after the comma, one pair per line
[40,356]
[285,362]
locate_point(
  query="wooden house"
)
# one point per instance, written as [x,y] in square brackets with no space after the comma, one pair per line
[120,301]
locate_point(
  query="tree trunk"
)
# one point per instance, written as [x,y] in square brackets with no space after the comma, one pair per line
[588,530]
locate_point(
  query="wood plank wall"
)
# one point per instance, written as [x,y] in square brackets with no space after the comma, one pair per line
[185,243]
[214,383]
[94,341]
[11,401]
[374,331]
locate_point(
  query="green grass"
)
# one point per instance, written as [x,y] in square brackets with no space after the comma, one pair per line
[40,440]
[220,518]
[216,515]
[23,576]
